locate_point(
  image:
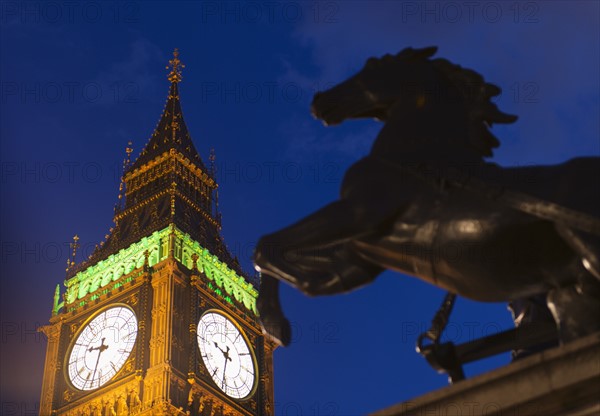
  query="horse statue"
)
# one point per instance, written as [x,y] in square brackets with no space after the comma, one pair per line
[424,202]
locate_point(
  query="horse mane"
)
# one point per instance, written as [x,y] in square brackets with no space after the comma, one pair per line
[482,113]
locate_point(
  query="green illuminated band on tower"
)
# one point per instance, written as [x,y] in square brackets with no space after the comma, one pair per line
[222,280]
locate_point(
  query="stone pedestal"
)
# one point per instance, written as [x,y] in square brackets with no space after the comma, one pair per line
[560,381]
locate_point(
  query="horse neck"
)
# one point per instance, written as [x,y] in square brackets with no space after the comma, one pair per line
[433,135]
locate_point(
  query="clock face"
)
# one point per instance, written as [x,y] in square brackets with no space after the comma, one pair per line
[102,347]
[226,354]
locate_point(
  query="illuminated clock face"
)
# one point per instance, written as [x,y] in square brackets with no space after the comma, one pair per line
[226,354]
[102,348]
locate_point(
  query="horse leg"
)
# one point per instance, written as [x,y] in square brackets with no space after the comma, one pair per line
[274,324]
[585,245]
[347,272]
[576,308]
[531,311]
[334,223]
[299,253]
[283,256]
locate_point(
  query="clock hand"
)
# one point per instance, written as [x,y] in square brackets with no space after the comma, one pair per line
[100,349]
[225,369]
[217,345]
[96,367]
[225,353]
[227,358]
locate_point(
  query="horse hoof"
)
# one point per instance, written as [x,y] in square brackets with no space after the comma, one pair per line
[277,330]
[263,254]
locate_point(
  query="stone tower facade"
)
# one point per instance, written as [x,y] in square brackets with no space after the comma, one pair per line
[160,320]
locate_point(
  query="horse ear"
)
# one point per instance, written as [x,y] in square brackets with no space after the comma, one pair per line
[406,52]
[422,53]
[427,52]
[491,90]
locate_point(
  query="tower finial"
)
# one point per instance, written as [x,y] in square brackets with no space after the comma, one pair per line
[176,66]
[74,246]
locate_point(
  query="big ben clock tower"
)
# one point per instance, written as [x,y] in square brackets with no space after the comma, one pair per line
[160,320]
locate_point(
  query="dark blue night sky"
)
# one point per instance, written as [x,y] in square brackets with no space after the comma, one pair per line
[79,80]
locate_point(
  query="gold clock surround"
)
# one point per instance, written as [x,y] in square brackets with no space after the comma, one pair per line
[246,344]
[83,327]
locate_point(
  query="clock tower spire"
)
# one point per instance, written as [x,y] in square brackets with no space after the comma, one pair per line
[160,319]
[167,184]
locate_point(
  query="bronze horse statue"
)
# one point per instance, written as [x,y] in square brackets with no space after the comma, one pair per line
[424,202]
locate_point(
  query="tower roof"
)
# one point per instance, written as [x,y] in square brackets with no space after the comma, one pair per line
[168,185]
[171,131]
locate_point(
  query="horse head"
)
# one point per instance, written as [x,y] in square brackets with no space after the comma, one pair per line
[395,84]
[437,97]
